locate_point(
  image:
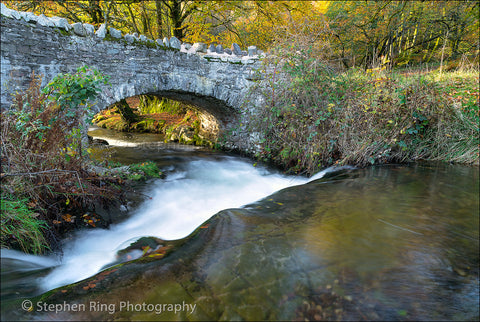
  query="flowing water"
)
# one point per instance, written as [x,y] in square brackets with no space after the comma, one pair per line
[391,242]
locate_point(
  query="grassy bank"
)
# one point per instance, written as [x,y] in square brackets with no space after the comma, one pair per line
[316,116]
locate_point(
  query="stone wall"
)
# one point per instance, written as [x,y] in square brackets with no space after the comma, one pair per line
[214,79]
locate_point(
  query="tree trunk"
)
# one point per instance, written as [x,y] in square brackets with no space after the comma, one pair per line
[158,6]
[126,112]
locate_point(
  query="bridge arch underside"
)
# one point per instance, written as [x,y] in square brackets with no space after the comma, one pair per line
[215,115]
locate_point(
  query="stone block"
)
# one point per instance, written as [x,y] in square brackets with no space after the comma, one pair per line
[252,50]
[166,42]
[89,29]
[115,33]
[78,29]
[102,31]
[175,43]
[236,49]
[199,47]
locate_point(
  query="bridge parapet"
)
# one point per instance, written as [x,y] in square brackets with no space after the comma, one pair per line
[215,52]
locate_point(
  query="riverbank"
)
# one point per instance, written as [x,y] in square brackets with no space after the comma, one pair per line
[316,116]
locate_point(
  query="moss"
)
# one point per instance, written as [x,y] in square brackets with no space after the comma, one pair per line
[114,123]
[63,32]
[109,37]
[143,171]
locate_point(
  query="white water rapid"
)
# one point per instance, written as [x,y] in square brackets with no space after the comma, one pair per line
[180,203]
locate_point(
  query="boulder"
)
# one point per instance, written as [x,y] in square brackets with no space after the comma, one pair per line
[159,42]
[143,38]
[175,43]
[115,33]
[228,51]
[219,49]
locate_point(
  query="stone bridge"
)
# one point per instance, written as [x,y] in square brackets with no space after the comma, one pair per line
[214,79]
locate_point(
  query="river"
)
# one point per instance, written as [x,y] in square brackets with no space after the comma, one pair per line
[386,242]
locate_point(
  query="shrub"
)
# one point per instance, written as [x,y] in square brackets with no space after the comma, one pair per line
[43,162]
[316,115]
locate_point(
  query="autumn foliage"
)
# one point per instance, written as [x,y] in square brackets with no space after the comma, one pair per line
[44,166]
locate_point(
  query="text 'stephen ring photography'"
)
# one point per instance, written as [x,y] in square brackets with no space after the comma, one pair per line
[183,160]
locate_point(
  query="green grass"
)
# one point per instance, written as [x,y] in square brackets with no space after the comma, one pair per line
[20,226]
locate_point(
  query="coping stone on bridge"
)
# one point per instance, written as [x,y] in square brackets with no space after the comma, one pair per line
[115,33]
[175,43]
[166,42]
[236,49]
[129,38]
[199,47]
[219,49]
[89,29]
[78,29]
[102,31]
